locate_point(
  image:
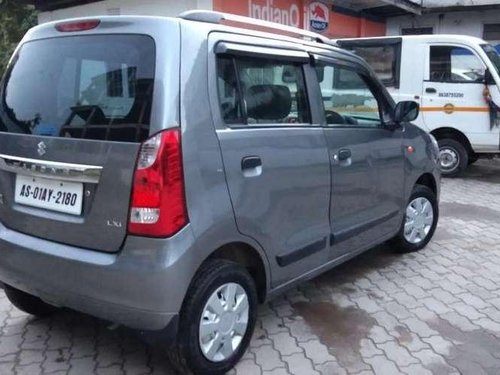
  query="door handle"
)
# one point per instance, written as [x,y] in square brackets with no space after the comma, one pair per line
[344,154]
[251,166]
[430,90]
[342,157]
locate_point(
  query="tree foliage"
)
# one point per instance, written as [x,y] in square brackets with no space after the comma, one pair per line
[16,17]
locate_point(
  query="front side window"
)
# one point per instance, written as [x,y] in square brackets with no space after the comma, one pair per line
[257,91]
[455,64]
[94,87]
[347,98]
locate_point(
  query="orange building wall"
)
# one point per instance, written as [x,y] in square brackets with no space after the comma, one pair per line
[339,25]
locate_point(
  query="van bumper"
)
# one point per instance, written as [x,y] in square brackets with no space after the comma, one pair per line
[141,287]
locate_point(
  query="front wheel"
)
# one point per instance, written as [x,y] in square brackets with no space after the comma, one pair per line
[217,319]
[420,221]
[453,157]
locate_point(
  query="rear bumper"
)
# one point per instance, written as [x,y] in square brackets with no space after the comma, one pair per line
[141,287]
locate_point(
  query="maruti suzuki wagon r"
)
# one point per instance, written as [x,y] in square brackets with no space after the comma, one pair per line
[168,174]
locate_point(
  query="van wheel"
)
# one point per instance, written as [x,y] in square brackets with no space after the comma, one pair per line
[420,221]
[28,303]
[453,157]
[217,319]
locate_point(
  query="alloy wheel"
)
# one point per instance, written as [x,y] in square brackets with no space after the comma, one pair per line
[419,220]
[224,322]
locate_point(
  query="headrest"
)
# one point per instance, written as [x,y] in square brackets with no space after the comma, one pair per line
[268,102]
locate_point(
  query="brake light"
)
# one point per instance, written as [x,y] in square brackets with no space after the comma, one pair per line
[158,205]
[67,27]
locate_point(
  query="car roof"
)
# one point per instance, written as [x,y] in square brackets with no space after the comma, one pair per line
[48,29]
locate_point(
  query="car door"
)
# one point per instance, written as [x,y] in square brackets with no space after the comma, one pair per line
[366,157]
[453,95]
[276,160]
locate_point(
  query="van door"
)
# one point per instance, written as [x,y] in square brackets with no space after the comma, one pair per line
[453,95]
[367,160]
[276,162]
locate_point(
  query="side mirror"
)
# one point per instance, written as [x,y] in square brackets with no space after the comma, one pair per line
[488,78]
[406,111]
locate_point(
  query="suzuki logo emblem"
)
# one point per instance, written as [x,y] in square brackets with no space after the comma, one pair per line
[42,148]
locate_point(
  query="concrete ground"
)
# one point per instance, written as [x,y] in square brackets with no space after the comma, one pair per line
[436,311]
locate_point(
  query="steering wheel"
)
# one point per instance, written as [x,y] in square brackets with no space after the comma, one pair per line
[334,117]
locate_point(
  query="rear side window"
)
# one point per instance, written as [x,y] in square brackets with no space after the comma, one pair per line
[93,87]
[261,91]
[455,64]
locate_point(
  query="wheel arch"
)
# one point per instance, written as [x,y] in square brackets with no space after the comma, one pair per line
[428,180]
[250,258]
[457,135]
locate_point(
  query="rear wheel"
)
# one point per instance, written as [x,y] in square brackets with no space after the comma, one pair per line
[453,157]
[217,319]
[420,221]
[28,303]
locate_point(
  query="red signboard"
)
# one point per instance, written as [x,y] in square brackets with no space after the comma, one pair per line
[316,16]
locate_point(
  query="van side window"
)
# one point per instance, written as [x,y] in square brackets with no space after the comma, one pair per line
[347,98]
[455,64]
[261,91]
[384,60]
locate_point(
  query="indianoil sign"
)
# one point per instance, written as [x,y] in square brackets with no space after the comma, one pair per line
[268,11]
[315,15]
[319,16]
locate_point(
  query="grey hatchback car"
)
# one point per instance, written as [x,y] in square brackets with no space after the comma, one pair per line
[168,174]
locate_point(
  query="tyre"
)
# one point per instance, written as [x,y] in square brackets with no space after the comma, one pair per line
[28,303]
[453,157]
[217,319]
[420,221]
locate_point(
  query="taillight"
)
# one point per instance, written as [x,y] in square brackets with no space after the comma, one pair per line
[72,26]
[158,205]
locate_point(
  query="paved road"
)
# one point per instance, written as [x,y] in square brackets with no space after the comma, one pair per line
[436,311]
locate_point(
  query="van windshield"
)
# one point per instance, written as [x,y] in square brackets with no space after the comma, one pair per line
[93,87]
[492,54]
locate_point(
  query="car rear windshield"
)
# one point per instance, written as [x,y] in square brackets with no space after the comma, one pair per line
[93,87]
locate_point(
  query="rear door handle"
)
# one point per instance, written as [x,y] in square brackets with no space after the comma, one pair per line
[251,166]
[430,90]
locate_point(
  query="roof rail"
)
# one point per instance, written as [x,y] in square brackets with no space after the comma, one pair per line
[218,17]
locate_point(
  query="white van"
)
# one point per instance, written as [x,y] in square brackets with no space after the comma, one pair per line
[456,80]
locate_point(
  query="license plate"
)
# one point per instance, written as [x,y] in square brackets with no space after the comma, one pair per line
[61,196]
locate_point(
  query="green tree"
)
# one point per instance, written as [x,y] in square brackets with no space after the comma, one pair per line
[16,17]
